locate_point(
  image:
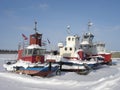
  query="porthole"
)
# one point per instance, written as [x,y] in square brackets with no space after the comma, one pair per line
[70,49]
[65,48]
[69,39]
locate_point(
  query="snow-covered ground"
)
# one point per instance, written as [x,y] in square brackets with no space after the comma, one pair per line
[105,78]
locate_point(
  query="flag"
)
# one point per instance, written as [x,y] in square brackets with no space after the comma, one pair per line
[48,41]
[25,38]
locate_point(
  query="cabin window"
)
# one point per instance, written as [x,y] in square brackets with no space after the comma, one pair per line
[36,52]
[39,52]
[68,39]
[29,51]
[86,36]
[25,52]
[70,49]
[72,39]
[65,48]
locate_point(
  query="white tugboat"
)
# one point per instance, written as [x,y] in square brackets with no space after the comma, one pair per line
[91,48]
[82,55]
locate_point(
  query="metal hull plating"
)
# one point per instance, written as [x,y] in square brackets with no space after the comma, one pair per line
[37,71]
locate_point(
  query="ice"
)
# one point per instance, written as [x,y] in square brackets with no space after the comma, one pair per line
[104,78]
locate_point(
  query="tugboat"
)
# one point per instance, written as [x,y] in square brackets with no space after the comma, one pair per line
[73,56]
[31,59]
[94,49]
[81,56]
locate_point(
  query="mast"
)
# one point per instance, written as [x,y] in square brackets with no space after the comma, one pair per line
[35,27]
[89,25]
[68,29]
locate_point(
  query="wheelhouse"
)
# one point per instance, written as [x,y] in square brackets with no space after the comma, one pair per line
[34,54]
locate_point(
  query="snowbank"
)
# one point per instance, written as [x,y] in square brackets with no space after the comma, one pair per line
[106,78]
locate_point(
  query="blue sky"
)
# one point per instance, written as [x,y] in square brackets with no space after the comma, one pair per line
[53,16]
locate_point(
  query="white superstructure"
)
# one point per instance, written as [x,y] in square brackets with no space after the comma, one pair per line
[84,48]
[72,44]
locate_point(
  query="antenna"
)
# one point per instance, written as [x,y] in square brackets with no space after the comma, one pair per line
[35,27]
[89,25]
[68,29]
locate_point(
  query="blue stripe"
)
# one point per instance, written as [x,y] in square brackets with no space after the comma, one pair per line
[39,68]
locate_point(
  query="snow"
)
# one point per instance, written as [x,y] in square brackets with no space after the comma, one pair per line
[85,43]
[106,78]
[33,46]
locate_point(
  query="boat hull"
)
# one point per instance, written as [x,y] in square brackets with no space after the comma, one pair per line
[78,66]
[37,71]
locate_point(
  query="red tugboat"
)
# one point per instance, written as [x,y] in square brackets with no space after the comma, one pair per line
[31,59]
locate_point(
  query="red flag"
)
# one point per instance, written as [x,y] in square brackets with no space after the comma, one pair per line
[25,38]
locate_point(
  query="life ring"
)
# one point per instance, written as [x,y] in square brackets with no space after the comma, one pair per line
[38,58]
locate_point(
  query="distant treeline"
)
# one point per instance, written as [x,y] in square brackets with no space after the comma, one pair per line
[116,54]
[8,51]
[55,52]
